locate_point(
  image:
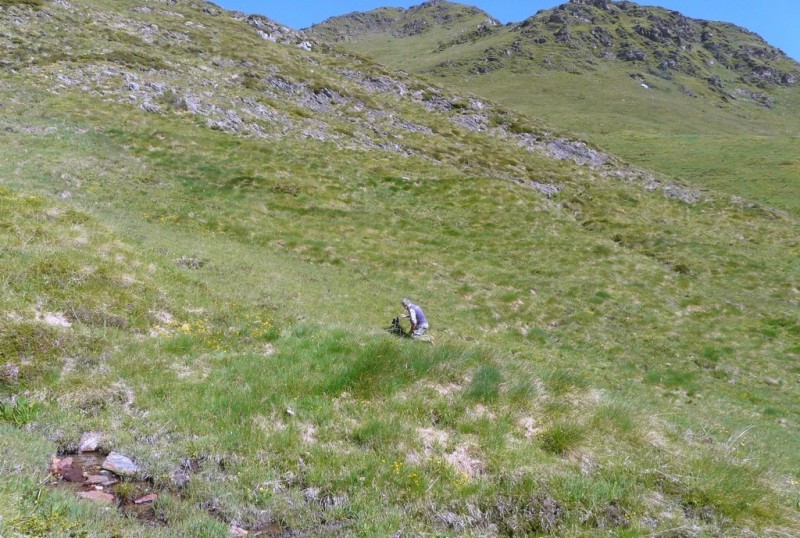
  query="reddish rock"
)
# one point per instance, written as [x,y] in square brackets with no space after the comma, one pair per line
[58,466]
[97,496]
[146,499]
[74,473]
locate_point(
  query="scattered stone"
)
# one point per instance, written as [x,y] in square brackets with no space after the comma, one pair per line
[146,499]
[9,372]
[471,122]
[772,381]
[190,262]
[97,496]
[89,441]
[100,480]
[676,192]
[577,151]
[119,464]
[545,188]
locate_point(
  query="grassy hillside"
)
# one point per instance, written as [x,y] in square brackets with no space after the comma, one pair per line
[615,353]
[618,71]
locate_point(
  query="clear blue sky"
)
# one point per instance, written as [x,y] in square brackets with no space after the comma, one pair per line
[777,21]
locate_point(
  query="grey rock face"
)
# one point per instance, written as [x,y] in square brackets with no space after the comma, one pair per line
[576,151]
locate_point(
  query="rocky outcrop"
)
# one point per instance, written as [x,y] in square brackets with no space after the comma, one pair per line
[274,32]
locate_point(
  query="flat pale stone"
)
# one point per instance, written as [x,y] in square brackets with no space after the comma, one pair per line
[119,464]
[97,496]
[146,499]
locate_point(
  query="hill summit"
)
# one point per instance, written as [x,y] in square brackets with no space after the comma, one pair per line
[401,22]
[723,60]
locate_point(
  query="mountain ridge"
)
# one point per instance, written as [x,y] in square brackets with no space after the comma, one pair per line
[655,39]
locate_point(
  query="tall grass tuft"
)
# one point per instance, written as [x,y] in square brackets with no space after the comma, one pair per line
[485,384]
[561,437]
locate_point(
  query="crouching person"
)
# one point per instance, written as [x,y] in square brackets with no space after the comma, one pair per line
[419,323]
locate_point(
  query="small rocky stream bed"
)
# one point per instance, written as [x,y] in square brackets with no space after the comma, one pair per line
[110,479]
[107,479]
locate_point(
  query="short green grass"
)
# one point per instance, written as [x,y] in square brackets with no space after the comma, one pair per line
[605,361]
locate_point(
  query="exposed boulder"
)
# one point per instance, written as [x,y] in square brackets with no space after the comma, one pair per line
[563,35]
[633,55]
[603,36]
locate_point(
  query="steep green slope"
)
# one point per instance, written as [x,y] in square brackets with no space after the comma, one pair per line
[204,232]
[617,71]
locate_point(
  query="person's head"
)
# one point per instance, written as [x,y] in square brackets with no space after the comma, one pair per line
[405,303]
